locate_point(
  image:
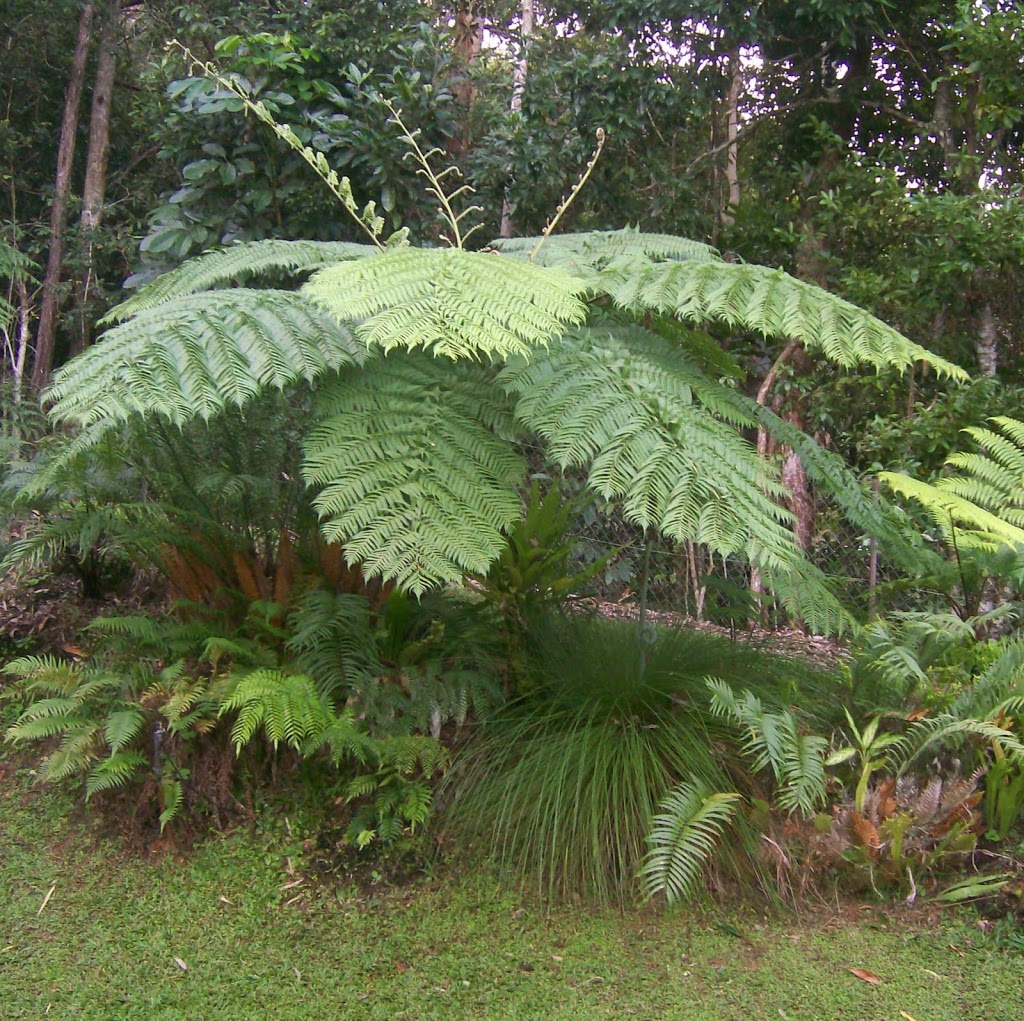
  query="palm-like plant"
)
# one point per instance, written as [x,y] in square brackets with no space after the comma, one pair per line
[429,366]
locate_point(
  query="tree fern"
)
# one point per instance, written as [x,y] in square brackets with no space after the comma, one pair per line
[236,265]
[654,431]
[450,302]
[683,837]
[414,468]
[196,355]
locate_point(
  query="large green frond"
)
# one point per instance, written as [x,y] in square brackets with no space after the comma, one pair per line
[581,254]
[766,300]
[450,302]
[683,838]
[656,433]
[416,474]
[236,265]
[195,355]
[973,525]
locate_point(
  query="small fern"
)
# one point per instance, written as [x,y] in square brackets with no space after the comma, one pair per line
[287,707]
[683,838]
[773,742]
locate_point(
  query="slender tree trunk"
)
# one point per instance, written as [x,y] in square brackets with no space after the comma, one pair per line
[469,38]
[732,127]
[46,335]
[95,187]
[987,345]
[519,75]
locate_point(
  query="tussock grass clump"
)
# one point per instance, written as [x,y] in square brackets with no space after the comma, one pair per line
[562,785]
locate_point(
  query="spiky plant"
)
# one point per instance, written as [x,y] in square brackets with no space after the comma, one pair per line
[562,786]
[430,365]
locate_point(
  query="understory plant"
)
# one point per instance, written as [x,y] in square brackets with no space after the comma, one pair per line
[177,712]
[562,786]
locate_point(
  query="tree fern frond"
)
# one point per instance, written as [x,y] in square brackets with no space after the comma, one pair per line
[580,254]
[983,528]
[196,355]
[769,301]
[236,265]
[449,302]
[649,425]
[683,837]
[172,794]
[416,476]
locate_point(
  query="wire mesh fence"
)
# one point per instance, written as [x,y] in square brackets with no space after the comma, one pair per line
[689,579]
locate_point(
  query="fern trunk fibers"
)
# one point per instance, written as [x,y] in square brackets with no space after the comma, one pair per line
[95,187]
[46,334]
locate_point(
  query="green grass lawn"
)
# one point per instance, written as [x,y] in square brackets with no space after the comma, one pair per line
[213,936]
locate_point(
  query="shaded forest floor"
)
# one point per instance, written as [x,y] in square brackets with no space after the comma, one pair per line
[233,931]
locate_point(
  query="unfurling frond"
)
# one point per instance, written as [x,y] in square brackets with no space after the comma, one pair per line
[683,838]
[194,356]
[417,477]
[450,302]
[657,433]
[236,265]
[769,301]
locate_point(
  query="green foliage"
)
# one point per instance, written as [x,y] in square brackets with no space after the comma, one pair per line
[980,506]
[397,796]
[449,302]
[683,836]
[216,349]
[772,740]
[287,707]
[562,785]
[533,572]
[868,746]
[415,472]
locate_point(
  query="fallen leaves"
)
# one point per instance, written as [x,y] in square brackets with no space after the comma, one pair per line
[865,976]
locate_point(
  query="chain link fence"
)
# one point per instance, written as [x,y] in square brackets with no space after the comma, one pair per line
[689,579]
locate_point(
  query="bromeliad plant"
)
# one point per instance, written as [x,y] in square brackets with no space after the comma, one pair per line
[428,367]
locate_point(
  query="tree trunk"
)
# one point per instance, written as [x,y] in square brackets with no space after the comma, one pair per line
[732,127]
[47,331]
[95,187]
[469,38]
[519,74]
[987,345]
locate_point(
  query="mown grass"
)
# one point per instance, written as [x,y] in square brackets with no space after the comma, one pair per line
[106,943]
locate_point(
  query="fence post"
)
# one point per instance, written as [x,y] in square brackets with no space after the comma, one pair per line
[873,559]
